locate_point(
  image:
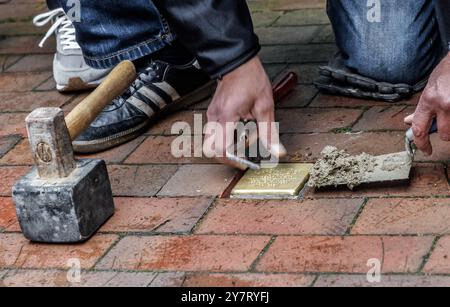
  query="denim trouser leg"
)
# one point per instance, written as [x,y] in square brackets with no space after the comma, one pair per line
[111,31]
[53,4]
[399,43]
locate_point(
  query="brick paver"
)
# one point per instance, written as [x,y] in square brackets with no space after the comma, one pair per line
[405,216]
[171,229]
[168,215]
[345,254]
[272,217]
[17,252]
[439,260]
[386,281]
[8,219]
[186,253]
[248,280]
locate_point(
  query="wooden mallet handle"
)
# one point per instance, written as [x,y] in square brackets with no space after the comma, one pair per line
[87,111]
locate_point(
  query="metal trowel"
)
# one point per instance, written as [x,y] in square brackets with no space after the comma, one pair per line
[397,166]
[394,167]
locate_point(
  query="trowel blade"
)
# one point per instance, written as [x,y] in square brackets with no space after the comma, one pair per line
[390,168]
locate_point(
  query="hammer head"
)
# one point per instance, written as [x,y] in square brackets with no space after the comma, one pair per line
[66,210]
[61,200]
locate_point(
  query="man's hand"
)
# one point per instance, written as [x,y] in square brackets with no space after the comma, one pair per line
[434,103]
[243,94]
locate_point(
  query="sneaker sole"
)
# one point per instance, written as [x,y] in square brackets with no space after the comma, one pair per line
[89,147]
[76,84]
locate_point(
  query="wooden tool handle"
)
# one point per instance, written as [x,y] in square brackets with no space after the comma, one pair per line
[284,85]
[86,111]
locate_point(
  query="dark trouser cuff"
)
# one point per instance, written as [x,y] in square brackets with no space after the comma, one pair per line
[53,4]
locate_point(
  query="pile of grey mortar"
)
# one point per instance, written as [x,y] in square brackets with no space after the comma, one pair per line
[336,168]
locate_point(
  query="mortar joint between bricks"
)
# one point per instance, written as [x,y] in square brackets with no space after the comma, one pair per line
[428,255]
[358,214]
[262,253]
[213,204]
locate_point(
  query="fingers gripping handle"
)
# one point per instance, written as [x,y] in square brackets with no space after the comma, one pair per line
[433,129]
[410,137]
[86,111]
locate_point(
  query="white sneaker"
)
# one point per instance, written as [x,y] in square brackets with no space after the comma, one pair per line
[70,71]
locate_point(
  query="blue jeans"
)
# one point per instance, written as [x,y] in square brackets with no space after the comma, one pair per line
[401,45]
[111,31]
[398,43]
[53,4]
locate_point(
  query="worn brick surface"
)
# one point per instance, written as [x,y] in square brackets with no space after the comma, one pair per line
[345,254]
[324,35]
[307,73]
[21,82]
[265,18]
[403,281]
[27,102]
[20,28]
[141,181]
[297,53]
[59,278]
[7,60]
[164,127]
[17,252]
[48,85]
[9,176]
[12,124]
[116,155]
[248,280]
[156,214]
[169,221]
[276,217]
[315,120]
[286,35]
[7,143]
[158,150]
[8,218]
[300,97]
[170,279]
[324,100]
[303,17]
[192,253]
[439,262]
[20,155]
[286,4]
[19,11]
[21,45]
[405,216]
[37,62]
[384,118]
[53,278]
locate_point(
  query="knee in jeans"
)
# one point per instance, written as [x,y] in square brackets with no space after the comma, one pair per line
[393,65]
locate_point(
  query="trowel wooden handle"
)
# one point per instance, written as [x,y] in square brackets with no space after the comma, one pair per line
[86,111]
[284,85]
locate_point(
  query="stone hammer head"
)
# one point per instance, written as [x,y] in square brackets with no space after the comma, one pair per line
[61,200]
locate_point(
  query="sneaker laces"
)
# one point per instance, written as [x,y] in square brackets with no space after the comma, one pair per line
[62,24]
[144,76]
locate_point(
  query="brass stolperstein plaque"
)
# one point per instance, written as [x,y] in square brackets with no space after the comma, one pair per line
[284,181]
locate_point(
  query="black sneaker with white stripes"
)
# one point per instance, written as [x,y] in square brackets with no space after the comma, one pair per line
[160,89]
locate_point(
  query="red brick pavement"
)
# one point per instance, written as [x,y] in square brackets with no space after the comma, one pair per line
[171,229]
